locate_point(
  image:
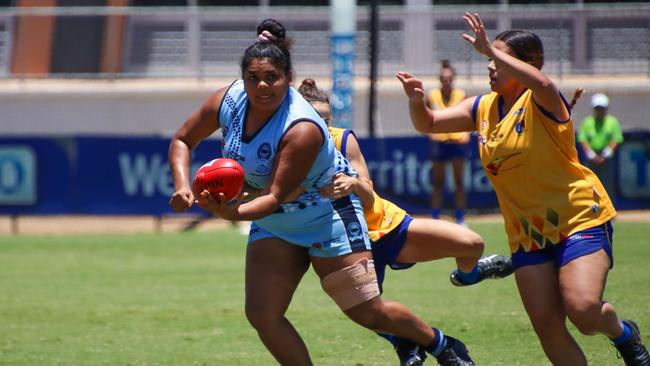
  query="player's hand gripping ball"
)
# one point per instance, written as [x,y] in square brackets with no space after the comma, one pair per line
[219,176]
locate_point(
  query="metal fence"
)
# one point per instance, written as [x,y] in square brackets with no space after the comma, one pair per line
[201,42]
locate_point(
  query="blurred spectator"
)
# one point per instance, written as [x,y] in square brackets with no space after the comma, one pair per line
[448,147]
[599,136]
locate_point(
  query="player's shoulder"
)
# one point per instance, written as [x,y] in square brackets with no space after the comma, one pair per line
[484,99]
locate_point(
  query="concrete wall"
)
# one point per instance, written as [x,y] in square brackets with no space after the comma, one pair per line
[150,107]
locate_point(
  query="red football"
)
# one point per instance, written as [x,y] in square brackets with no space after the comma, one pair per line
[219,176]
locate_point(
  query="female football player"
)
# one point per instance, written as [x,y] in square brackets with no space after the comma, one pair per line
[283,144]
[448,147]
[557,214]
[399,240]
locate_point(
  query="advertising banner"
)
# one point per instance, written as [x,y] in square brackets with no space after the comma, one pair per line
[111,175]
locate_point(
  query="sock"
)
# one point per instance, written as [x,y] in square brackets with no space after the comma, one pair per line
[389,337]
[435,213]
[460,216]
[438,344]
[627,333]
[470,277]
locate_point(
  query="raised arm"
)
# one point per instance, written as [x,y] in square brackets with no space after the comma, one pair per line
[457,118]
[201,124]
[545,92]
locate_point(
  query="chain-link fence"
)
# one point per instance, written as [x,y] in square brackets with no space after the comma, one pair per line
[206,42]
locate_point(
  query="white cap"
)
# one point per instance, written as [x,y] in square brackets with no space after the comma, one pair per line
[599,100]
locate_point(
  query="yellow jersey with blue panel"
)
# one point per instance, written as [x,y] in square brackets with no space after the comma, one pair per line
[530,157]
[384,216]
[436,101]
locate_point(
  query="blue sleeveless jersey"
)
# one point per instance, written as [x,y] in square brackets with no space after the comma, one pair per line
[311,218]
[257,154]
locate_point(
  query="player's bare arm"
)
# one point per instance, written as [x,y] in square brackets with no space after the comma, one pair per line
[201,124]
[544,90]
[453,119]
[362,185]
[297,153]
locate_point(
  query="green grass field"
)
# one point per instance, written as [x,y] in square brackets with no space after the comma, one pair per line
[177,299]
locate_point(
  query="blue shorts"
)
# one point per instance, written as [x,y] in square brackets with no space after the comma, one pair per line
[328,228]
[386,250]
[575,246]
[445,151]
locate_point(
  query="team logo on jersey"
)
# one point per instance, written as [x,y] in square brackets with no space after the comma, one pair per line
[354,232]
[520,127]
[519,111]
[483,124]
[495,165]
[264,151]
[263,164]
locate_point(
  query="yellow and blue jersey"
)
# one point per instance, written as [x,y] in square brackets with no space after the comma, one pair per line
[383,216]
[530,157]
[436,101]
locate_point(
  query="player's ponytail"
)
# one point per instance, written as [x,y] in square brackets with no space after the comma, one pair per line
[576,96]
[445,64]
[311,93]
[277,31]
[275,48]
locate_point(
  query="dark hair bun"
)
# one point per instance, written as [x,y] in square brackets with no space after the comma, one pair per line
[277,30]
[309,82]
[446,64]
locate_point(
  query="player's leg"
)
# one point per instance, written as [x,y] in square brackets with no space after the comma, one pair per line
[347,272]
[585,260]
[582,283]
[351,282]
[458,167]
[428,239]
[273,270]
[375,315]
[383,252]
[540,294]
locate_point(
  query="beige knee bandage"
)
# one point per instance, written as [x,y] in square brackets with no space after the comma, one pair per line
[353,285]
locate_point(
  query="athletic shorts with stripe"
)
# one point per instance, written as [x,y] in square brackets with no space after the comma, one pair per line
[329,228]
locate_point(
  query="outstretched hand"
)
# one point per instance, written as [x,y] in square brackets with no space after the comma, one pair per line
[480,40]
[412,86]
[181,200]
[220,206]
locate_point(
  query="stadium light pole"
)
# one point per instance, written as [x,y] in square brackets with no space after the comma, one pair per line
[374,50]
[343,23]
